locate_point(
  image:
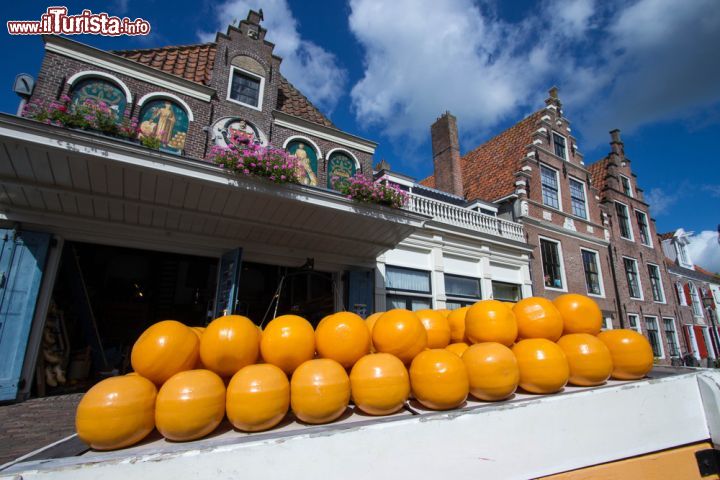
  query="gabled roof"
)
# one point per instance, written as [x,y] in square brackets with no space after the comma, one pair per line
[698,268]
[666,235]
[488,171]
[191,62]
[196,62]
[598,172]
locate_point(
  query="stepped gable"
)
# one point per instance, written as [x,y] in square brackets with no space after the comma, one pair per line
[195,63]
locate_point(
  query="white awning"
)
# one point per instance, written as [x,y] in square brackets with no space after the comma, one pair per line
[92,188]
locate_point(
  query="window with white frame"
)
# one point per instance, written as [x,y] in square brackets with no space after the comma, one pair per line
[671,337]
[623,220]
[461,291]
[607,323]
[634,322]
[552,264]
[653,334]
[593,281]
[656,283]
[643,228]
[682,300]
[626,186]
[683,254]
[560,146]
[506,292]
[633,279]
[550,189]
[407,288]
[577,198]
[246,88]
[696,302]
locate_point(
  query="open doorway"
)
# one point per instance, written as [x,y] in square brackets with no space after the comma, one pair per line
[103,298]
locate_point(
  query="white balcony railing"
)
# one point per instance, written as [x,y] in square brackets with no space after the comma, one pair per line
[462,217]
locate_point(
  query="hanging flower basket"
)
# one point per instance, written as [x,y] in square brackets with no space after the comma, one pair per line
[362,189]
[255,160]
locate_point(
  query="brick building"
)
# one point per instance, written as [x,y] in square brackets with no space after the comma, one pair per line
[536,175]
[642,285]
[697,294]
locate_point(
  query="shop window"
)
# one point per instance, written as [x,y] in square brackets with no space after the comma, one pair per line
[100,90]
[656,283]
[307,161]
[654,336]
[643,228]
[340,167]
[577,198]
[552,263]
[624,221]
[461,291]
[550,191]
[407,288]
[592,272]
[631,274]
[166,120]
[671,336]
[506,292]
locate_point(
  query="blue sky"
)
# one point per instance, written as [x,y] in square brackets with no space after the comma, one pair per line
[386,70]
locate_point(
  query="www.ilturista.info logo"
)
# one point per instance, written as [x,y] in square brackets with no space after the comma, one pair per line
[56,20]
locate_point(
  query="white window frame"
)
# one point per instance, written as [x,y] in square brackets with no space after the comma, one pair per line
[637,327]
[562,265]
[409,293]
[600,274]
[584,188]
[677,336]
[552,144]
[637,270]
[607,323]
[559,188]
[662,288]
[698,304]
[647,225]
[261,92]
[630,222]
[449,297]
[682,255]
[681,294]
[658,330]
[632,194]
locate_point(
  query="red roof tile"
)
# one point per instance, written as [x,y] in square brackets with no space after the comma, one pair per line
[191,62]
[598,172]
[698,268]
[666,235]
[196,62]
[488,171]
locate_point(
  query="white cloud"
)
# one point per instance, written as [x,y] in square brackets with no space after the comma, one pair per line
[617,65]
[661,201]
[312,69]
[704,250]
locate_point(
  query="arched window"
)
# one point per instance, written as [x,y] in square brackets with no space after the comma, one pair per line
[307,158]
[100,90]
[341,166]
[696,303]
[166,120]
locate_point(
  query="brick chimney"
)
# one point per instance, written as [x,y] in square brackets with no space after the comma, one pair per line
[616,143]
[446,154]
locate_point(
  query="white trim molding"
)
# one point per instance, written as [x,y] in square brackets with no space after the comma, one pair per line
[106,76]
[170,96]
[304,139]
[307,127]
[348,153]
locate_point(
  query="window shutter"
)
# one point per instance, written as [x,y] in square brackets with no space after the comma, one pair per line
[688,298]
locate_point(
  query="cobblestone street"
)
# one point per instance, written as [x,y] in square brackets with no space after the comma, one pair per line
[27,426]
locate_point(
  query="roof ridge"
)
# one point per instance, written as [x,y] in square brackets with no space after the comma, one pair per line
[167,47]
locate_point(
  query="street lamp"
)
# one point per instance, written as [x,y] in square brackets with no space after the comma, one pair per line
[709,307]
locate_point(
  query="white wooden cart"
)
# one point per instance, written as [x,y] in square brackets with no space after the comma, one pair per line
[665,426]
